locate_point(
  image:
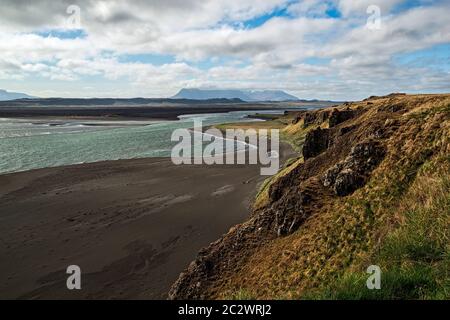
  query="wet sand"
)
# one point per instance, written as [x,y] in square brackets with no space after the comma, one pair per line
[132,226]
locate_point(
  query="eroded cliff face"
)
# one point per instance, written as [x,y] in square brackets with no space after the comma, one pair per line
[350,153]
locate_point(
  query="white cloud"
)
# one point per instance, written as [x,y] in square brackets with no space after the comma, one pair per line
[355,60]
[359,7]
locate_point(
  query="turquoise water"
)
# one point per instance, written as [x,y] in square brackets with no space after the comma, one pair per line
[33,144]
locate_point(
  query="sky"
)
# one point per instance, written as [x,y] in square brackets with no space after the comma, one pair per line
[332,49]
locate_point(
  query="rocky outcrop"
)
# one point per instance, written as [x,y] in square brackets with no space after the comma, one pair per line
[351,174]
[337,117]
[316,142]
[308,119]
[298,116]
[290,215]
[283,217]
[315,117]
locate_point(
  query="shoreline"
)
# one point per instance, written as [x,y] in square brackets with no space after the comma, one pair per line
[131,225]
[123,112]
[161,111]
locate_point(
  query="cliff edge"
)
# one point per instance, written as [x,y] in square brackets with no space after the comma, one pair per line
[372,188]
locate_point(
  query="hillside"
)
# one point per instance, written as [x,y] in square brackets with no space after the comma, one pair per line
[244,95]
[372,188]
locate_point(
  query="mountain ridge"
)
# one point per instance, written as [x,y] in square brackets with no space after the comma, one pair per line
[8,96]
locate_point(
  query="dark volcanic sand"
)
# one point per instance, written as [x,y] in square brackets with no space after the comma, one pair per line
[132,226]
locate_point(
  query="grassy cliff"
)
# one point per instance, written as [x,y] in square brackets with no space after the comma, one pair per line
[372,188]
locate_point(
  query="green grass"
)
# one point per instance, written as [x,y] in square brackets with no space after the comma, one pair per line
[241,294]
[409,282]
[415,256]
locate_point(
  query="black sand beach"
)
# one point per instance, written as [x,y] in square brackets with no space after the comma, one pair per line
[132,226]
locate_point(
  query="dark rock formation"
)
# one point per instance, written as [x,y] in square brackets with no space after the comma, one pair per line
[338,117]
[351,174]
[323,116]
[308,119]
[316,142]
[298,117]
[289,215]
[347,181]
[315,117]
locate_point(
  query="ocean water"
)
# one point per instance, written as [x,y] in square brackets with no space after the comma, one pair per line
[32,144]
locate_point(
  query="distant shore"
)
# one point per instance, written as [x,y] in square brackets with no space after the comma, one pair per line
[118,112]
[131,225]
[168,111]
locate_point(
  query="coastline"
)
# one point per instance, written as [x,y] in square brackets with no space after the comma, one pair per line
[131,225]
[172,112]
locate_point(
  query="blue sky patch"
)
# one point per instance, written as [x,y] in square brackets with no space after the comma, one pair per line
[260,20]
[63,34]
[317,61]
[436,57]
[333,12]
[154,59]
[410,4]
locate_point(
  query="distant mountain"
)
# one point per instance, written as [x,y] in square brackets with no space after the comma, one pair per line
[7,96]
[245,95]
[271,95]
